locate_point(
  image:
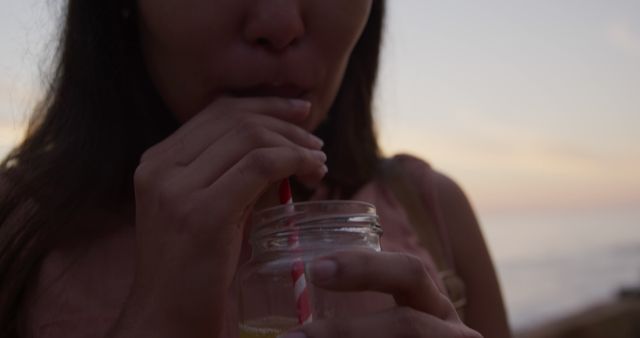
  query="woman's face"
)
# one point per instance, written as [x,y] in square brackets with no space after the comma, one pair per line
[199,50]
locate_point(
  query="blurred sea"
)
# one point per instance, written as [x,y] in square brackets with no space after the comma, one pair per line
[551,265]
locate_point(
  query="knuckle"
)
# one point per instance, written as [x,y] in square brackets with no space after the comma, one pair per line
[407,321]
[362,258]
[167,195]
[258,160]
[180,206]
[254,133]
[304,156]
[149,154]
[244,123]
[300,134]
[414,265]
[143,176]
[301,154]
[356,266]
[186,213]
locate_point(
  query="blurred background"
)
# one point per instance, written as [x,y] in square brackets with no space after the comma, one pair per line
[533,106]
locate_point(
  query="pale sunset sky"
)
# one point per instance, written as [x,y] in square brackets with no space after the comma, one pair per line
[530,105]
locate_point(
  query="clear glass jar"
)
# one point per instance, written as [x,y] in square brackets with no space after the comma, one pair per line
[289,234]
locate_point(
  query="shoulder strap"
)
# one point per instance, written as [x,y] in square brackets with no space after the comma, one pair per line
[410,196]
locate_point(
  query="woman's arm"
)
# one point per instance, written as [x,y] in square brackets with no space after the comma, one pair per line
[485,309]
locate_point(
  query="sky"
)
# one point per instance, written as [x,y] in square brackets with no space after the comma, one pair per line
[530,104]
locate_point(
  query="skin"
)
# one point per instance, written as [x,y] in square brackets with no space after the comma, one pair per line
[198,51]
[201,54]
[485,309]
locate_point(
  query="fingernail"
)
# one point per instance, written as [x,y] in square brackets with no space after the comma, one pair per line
[300,104]
[323,270]
[324,170]
[318,141]
[320,155]
[293,335]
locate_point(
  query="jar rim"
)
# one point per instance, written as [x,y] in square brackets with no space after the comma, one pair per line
[307,203]
[306,214]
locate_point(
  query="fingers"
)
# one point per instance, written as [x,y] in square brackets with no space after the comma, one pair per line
[397,322]
[210,143]
[224,114]
[400,275]
[291,110]
[223,154]
[248,178]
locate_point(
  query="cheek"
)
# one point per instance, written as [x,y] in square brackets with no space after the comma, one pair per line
[192,47]
[339,26]
[178,38]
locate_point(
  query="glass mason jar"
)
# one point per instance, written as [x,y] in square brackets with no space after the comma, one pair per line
[287,236]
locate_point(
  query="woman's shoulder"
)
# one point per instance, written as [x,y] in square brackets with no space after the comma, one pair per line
[450,196]
[411,162]
[83,281]
[425,176]
[419,169]
[441,194]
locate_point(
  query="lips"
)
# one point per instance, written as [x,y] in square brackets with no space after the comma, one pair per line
[283,91]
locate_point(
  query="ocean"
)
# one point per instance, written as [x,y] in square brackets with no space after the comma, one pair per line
[554,264]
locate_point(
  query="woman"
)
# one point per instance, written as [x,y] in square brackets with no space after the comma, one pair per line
[165,123]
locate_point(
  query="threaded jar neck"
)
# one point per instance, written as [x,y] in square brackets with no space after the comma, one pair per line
[315,226]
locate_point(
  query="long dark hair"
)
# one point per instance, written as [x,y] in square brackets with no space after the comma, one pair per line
[101,112]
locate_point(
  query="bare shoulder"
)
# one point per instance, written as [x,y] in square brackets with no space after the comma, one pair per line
[463,228]
[485,310]
[455,206]
[82,283]
[449,196]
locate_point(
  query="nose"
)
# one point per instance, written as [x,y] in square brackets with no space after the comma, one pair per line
[274,24]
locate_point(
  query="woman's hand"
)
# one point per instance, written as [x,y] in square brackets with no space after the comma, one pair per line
[422,310]
[194,192]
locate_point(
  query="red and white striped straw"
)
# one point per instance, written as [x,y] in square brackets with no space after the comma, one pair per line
[300,290]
